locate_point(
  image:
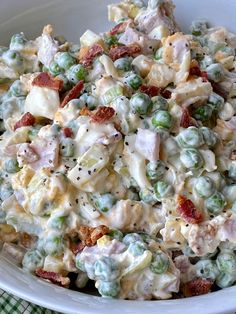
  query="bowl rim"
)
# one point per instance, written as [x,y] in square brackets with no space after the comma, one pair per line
[219,302]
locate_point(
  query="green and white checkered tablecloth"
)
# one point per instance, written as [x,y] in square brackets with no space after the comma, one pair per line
[9,304]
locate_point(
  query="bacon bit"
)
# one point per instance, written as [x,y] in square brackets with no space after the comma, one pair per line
[197,286]
[103,114]
[93,52]
[77,247]
[204,76]
[89,235]
[188,211]
[150,90]
[165,93]
[185,121]
[53,277]
[73,93]
[196,71]
[26,120]
[233,155]
[67,132]
[119,28]
[118,52]
[85,112]
[46,80]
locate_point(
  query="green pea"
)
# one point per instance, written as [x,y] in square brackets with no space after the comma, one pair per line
[159,54]
[18,41]
[163,190]
[204,187]
[13,59]
[160,263]
[133,80]
[105,202]
[234,207]
[109,289]
[190,138]
[2,217]
[6,191]
[215,203]
[147,196]
[106,269]
[131,238]
[32,260]
[226,262]
[17,89]
[55,69]
[67,147]
[66,84]
[76,73]
[162,119]
[198,27]
[155,170]
[203,113]
[210,137]
[64,60]
[207,269]
[92,102]
[11,166]
[215,72]
[228,51]
[140,103]
[159,103]
[58,222]
[206,61]
[216,101]
[111,40]
[232,172]
[191,159]
[225,280]
[79,263]
[137,248]
[116,234]
[124,64]
[53,245]
[215,46]
[188,251]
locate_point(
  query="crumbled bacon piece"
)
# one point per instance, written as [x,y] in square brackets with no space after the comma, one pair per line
[103,114]
[92,53]
[197,286]
[185,121]
[119,28]
[26,120]
[233,155]
[150,90]
[73,93]
[85,112]
[46,80]
[188,211]
[77,247]
[118,52]
[67,132]
[165,93]
[204,76]
[195,71]
[89,235]
[53,277]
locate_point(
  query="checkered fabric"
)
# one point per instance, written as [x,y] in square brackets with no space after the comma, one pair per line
[9,304]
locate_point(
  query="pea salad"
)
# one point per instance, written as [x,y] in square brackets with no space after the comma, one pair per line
[118,156]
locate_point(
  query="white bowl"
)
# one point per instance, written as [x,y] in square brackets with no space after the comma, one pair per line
[71,18]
